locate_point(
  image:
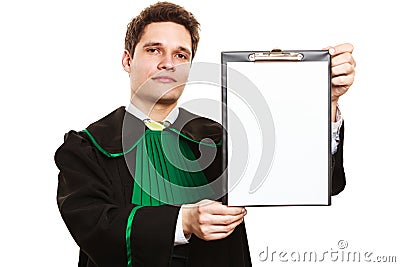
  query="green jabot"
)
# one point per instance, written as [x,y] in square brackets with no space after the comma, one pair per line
[167,172]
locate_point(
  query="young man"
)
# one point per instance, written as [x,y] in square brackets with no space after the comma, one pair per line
[121,199]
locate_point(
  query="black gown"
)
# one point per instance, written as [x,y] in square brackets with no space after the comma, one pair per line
[95,193]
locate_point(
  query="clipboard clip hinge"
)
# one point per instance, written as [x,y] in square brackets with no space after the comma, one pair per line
[276,55]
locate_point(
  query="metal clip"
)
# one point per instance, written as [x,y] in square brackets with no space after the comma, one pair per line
[276,55]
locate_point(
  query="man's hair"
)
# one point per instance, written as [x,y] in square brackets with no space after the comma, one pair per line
[161,12]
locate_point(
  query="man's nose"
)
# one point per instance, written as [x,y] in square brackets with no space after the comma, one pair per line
[166,63]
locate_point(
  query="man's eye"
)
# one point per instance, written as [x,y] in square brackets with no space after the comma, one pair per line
[181,56]
[151,50]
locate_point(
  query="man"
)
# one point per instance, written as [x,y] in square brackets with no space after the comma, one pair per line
[110,194]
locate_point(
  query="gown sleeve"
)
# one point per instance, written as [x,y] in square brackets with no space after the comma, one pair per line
[97,218]
[338,174]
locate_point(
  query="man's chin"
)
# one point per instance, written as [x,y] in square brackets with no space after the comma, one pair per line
[170,97]
[167,100]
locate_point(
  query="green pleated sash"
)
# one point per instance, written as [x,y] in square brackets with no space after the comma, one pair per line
[166,172]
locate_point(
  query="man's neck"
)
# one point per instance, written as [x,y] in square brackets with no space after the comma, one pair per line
[156,112]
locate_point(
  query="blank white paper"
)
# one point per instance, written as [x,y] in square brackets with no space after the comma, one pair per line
[297,95]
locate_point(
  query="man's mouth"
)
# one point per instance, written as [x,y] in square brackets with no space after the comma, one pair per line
[164,79]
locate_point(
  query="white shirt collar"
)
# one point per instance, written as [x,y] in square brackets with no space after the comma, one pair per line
[172,116]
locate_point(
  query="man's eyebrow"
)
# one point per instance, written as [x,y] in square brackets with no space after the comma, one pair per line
[180,48]
[184,49]
[152,44]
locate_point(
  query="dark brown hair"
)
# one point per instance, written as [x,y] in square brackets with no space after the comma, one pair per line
[161,12]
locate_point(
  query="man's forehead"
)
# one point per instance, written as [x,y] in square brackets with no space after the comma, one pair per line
[166,33]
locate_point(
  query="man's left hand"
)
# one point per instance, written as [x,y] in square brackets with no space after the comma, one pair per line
[343,69]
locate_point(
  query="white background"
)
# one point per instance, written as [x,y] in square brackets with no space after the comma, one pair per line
[60,70]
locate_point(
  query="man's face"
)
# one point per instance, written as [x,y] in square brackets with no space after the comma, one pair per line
[159,67]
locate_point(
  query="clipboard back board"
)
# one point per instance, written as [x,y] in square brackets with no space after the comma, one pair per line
[276,112]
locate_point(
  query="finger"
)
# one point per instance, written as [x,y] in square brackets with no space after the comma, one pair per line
[215,232]
[217,229]
[218,208]
[343,69]
[346,80]
[343,48]
[342,59]
[331,49]
[339,49]
[222,219]
[338,91]
[211,219]
[216,236]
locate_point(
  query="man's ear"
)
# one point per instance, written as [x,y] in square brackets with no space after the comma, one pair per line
[126,61]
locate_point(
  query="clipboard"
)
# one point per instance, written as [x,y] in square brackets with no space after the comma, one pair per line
[276,112]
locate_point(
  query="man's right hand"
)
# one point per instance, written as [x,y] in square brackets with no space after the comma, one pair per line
[211,220]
